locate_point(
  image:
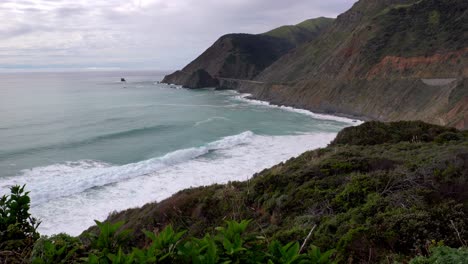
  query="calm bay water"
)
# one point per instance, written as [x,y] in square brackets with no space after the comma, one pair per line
[86,144]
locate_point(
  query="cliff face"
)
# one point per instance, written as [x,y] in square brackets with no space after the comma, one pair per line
[244,56]
[239,56]
[391,60]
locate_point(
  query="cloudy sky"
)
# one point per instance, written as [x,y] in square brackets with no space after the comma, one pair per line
[135,34]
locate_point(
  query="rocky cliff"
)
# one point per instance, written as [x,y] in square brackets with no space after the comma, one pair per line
[244,56]
[384,60]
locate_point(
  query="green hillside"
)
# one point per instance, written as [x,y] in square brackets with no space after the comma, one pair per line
[302,32]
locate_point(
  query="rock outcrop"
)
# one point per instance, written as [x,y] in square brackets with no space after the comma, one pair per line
[200,79]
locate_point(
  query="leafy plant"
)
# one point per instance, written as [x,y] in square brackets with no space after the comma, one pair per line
[15,221]
[287,254]
[60,248]
[164,244]
[318,257]
[199,251]
[231,236]
[108,242]
[18,230]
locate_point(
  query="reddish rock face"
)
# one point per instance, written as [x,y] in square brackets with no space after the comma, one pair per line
[421,66]
[459,113]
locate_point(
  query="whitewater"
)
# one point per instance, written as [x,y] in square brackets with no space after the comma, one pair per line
[97,147]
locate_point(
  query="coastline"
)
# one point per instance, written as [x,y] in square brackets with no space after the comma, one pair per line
[251,98]
[350,119]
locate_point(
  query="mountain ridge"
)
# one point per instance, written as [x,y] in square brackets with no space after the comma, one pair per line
[244,56]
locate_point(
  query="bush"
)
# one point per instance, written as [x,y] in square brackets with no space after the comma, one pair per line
[15,221]
[231,244]
[60,248]
[374,133]
[17,227]
[443,254]
[448,136]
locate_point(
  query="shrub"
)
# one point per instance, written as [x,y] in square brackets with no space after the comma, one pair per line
[15,221]
[60,248]
[443,254]
[17,227]
[448,136]
[374,133]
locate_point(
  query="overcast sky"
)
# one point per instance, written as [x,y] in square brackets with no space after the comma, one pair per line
[136,34]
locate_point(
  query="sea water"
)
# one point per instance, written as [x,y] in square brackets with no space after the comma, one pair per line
[86,144]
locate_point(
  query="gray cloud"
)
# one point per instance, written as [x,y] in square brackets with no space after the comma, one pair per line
[159,34]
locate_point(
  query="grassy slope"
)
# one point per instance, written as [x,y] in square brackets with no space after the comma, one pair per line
[302,32]
[379,191]
[362,36]
[423,28]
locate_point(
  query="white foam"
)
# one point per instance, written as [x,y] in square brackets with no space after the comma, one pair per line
[211,119]
[244,97]
[234,158]
[61,180]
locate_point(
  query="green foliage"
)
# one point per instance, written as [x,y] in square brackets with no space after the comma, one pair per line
[318,257]
[199,251]
[164,244]
[448,136]
[60,248]
[287,254]
[15,221]
[17,227]
[107,245]
[443,254]
[231,237]
[231,244]
[434,18]
[374,133]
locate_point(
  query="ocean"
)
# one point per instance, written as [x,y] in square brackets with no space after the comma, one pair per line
[86,144]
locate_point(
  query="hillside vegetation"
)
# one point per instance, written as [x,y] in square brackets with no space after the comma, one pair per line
[302,32]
